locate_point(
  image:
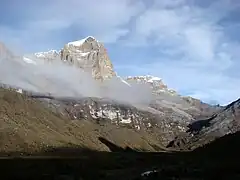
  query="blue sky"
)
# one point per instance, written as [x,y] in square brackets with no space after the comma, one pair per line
[194,45]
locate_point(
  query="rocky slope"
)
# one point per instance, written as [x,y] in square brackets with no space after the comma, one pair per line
[164,125]
[155,83]
[168,98]
[163,122]
[28,126]
[105,111]
[226,121]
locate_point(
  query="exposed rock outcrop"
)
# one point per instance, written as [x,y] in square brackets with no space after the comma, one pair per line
[155,83]
[87,54]
[90,55]
[105,111]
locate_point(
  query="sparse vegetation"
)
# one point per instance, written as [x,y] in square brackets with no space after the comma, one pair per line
[27,125]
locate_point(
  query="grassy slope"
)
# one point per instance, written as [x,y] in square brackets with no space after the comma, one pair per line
[26,125]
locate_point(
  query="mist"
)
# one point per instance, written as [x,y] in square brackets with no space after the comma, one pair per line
[60,79]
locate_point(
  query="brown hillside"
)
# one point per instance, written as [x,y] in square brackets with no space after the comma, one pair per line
[27,126]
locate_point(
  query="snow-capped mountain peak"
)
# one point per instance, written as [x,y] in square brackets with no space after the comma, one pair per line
[80,42]
[46,54]
[87,54]
[156,83]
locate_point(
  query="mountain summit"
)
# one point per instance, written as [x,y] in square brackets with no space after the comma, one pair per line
[87,54]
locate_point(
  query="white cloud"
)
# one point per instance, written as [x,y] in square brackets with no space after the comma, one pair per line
[62,80]
[180,28]
[168,3]
[104,19]
[200,54]
[200,42]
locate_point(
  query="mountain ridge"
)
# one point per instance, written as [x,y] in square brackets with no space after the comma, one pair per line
[142,102]
[55,55]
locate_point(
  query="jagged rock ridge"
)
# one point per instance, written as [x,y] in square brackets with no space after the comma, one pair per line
[155,83]
[170,99]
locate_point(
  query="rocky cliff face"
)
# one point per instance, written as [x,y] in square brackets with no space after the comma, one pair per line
[87,54]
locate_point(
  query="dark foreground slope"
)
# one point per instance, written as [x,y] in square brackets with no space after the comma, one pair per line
[200,132]
[218,160]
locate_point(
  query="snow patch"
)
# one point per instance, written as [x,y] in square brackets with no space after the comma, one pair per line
[149,125]
[152,79]
[125,82]
[147,78]
[47,53]
[20,91]
[147,173]
[126,121]
[84,54]
[27,60]
[137,127]
[110,114]
[80,42]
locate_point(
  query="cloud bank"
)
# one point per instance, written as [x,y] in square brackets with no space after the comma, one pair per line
[63,80]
